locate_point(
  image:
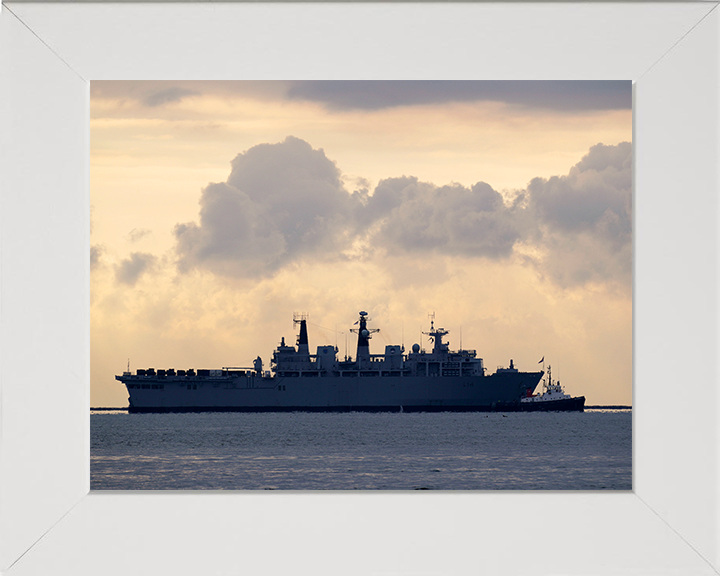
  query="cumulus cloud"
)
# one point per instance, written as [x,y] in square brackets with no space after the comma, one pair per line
[285,202]
[417,216]
[131,269]
[280,202]
[595,190]
[586,217]
[559,95]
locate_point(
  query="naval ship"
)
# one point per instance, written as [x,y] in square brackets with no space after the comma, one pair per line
[417,381]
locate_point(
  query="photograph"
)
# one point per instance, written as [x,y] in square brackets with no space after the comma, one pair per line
[371,284]
[361,285]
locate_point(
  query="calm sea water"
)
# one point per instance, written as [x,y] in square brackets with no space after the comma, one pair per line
[359,451]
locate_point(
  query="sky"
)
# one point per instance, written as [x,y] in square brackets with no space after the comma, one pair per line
[220,209]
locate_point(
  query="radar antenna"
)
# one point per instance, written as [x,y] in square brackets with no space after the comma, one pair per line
[436,335]
[363,330]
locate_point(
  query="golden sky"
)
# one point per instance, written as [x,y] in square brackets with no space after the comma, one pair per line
[220,208]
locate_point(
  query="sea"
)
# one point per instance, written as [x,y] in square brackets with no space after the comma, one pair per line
[589,450]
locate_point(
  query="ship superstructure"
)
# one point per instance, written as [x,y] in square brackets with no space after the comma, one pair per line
[290,361]
[436,380]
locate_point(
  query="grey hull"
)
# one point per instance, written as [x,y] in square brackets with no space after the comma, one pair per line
[350,392]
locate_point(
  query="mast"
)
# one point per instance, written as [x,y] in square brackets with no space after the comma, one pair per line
[548,384]
[436,336]
[364,334]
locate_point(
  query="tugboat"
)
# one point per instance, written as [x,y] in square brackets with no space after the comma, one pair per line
[552,398]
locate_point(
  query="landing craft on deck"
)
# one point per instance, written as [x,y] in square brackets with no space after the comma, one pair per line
[417,381]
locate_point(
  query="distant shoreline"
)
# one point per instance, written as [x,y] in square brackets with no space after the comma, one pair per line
[586,408]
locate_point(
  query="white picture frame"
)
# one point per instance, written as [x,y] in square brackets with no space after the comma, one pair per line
[49,520]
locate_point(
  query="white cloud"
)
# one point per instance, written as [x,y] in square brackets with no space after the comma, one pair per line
[280,203]
[586,218]
[414,216]
[286,202]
